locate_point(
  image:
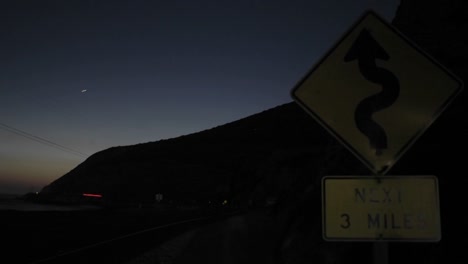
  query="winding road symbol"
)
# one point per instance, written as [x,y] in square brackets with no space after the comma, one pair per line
[366,50]
[376,91]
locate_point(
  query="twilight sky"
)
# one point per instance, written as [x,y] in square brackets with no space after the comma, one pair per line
[77,77]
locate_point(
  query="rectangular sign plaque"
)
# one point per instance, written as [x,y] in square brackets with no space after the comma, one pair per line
[390,208]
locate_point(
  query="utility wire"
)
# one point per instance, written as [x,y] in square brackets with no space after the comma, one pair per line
[41,140]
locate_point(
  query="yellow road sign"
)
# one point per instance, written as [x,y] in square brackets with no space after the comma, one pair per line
[376,92]
[394,208]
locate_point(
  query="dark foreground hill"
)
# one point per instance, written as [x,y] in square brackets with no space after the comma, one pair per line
[281,154]
[224,162]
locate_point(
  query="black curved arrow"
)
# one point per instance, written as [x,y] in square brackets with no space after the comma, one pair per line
[366,50]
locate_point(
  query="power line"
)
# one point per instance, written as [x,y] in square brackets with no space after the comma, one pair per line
[42,140]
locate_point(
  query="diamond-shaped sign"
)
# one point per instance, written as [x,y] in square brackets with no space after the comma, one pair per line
[376,92]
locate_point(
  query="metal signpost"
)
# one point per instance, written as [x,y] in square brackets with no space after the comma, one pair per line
[377,92]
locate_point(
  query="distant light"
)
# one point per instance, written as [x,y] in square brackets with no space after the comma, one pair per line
[92,195]
[225,202]
[84,90]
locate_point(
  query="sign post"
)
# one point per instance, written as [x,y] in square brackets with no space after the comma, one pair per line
[377,93]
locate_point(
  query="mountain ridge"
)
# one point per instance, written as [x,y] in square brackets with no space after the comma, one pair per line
[226,151]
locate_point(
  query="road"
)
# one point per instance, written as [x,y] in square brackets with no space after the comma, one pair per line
[245,238]
[232,238]
[124,248]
